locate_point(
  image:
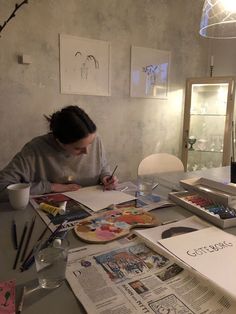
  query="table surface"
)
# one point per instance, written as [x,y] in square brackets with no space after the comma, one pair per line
[62,299]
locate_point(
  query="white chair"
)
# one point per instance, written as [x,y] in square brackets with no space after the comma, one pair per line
[159,163]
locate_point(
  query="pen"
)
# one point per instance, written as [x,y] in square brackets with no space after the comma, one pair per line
[20,308]
[14,234]
[28,238]
[20,245]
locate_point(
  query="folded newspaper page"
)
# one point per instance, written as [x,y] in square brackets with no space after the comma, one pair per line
[193,243]
[132,278]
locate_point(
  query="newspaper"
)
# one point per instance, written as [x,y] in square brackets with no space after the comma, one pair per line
[132,278]
[193,243]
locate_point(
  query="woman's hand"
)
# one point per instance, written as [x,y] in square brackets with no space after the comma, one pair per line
[109,183]
[58,188]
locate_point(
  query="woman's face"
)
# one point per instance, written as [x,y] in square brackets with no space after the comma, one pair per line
[79,147]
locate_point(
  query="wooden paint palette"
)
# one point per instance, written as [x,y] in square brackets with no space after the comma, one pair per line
[113,224]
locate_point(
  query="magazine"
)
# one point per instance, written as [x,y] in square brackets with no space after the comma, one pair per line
[74,211]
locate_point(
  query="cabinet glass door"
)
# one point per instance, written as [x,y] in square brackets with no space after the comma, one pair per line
[208,124]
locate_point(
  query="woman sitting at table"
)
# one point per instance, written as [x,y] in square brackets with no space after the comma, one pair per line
[70,156]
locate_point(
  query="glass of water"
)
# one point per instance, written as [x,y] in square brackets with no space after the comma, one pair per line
[51,260]
[145,185]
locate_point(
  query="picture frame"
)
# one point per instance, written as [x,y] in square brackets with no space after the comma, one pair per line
[149,74]
[84,66]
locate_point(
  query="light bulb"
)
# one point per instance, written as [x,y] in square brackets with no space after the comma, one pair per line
[229,5]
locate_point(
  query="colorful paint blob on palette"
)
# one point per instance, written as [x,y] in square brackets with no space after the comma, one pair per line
[210,206]
[113,224]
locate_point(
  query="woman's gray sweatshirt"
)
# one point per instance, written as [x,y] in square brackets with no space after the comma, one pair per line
[43,161]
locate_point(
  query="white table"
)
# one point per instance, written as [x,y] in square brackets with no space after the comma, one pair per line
[62,300]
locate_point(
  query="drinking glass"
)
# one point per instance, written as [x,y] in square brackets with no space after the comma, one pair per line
[145,186]
[51,260]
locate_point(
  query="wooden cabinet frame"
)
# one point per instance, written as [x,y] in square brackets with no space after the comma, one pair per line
[229,115]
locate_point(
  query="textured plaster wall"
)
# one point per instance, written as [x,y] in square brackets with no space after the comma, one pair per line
[131,127]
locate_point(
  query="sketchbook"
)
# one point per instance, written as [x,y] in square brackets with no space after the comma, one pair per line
[95,198]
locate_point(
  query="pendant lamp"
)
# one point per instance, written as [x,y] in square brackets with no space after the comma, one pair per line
[218,19]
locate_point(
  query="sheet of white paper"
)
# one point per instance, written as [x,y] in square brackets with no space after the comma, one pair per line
[96,199]
[155,234]
[210,251]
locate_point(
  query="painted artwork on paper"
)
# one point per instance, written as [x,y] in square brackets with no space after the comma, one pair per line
[149,72]
[84,66]
[128,262]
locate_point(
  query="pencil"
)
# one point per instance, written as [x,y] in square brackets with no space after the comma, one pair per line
[20,308]
[111,176]
[20,245]
[14,234]
[56,231]
[30,258]
[24,265]
[28,238]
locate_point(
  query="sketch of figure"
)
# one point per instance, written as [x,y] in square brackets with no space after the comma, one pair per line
[156,77]
[85,62]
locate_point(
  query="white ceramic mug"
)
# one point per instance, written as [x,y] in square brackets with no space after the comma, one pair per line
[19,195]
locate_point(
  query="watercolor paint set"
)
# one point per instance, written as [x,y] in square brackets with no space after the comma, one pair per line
[208,199]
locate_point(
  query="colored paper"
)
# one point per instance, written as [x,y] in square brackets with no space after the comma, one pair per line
[7,297]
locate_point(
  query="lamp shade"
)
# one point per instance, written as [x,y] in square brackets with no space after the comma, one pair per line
[218,19]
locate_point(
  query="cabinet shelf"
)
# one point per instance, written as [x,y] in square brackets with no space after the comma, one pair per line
[208,114]
[208,117]
[205,151]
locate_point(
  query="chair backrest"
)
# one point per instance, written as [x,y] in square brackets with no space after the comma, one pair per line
[159,163]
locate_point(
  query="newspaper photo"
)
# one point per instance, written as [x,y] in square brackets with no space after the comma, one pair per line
[132,278]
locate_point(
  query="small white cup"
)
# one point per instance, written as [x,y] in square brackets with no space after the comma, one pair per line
[19,195]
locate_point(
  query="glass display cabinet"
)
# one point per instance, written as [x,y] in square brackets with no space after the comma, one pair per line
[208,122]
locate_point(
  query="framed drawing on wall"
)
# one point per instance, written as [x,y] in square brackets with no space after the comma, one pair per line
[84,66]
[149,72]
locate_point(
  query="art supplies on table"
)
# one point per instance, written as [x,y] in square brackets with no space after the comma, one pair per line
[113,224]
[59,233]
[95,198]
[147,202]
[7,297]
[19,250]
[56,208]
[214,201]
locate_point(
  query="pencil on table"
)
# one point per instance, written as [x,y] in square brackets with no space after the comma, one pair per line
[20,245]
[14,234]
[28,238]
[25,264]
[20,308]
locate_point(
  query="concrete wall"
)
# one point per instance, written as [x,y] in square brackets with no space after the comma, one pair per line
[131,127]
[224,53]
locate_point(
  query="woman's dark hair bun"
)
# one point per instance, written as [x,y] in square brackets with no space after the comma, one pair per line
[71,124]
